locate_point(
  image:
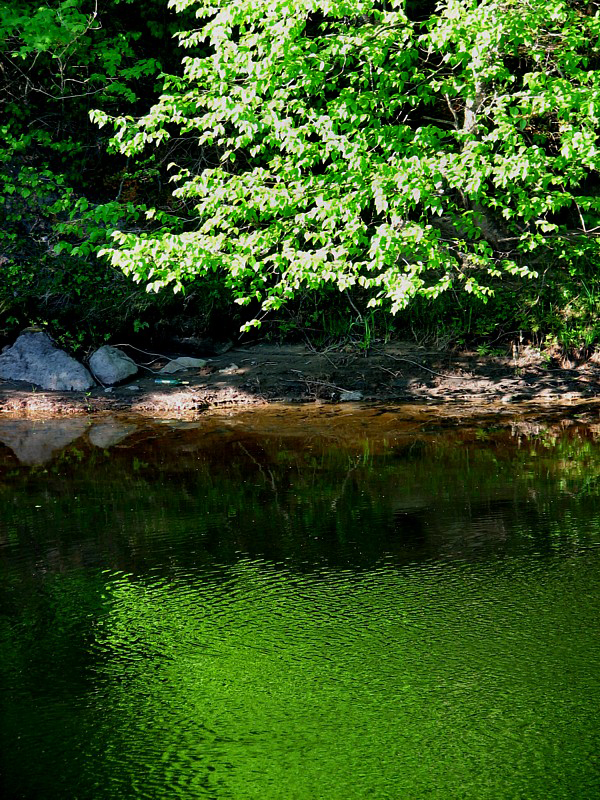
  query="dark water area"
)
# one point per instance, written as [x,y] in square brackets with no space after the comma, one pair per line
[294,604]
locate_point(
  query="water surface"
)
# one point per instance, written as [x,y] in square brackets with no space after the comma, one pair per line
[348,606]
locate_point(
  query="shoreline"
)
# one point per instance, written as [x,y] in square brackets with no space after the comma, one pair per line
[457,386]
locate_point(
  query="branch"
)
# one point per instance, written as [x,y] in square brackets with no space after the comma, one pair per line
[595,232]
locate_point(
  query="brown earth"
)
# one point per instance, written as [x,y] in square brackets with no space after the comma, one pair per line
[459,385]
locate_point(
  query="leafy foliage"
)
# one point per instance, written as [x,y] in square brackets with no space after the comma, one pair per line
[342,143]
[397,152]
[61,196]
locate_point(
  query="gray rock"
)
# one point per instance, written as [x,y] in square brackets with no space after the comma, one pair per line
[230,370]
[110,365]
[350,397]
[36,359]
[36,442]
[188,361]
[171,367]
[181,363]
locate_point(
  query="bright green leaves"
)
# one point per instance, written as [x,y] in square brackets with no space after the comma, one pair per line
[339,143]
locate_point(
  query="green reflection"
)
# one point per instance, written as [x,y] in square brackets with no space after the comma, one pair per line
[281,620]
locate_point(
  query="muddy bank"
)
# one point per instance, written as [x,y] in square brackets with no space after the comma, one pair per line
[459,385]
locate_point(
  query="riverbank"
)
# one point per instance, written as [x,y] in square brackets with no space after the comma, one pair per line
[457,383]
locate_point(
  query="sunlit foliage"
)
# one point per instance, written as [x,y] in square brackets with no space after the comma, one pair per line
[340,142]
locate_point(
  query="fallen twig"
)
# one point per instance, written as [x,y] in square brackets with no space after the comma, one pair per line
[311,382]
[433,372]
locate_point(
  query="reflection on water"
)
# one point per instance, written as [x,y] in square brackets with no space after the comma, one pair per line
[346,610]
[36,442]
[110,432]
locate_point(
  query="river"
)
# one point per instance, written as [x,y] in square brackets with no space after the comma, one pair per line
[299,605]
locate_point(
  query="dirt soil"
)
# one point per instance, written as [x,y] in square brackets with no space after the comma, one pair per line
[458,384]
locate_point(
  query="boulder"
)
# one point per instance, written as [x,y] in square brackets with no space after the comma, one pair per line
[110,365]
[36,359]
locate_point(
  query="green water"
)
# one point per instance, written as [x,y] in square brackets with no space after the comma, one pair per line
[344,607]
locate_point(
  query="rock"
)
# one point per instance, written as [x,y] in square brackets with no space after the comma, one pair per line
[187,361]
[350,397]
[171,367]
[110,365]
[230,370]
[183,362]
[35,358]
[36,442]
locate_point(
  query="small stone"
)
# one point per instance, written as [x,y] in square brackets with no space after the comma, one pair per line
[188,361]
[230,370]
[171,367]
[181,363]
[350,397]
[133,388]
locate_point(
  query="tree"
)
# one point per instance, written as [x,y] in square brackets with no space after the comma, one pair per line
[340,142]
[61,195]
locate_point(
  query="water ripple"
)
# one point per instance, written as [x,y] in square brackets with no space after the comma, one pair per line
[419,625]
